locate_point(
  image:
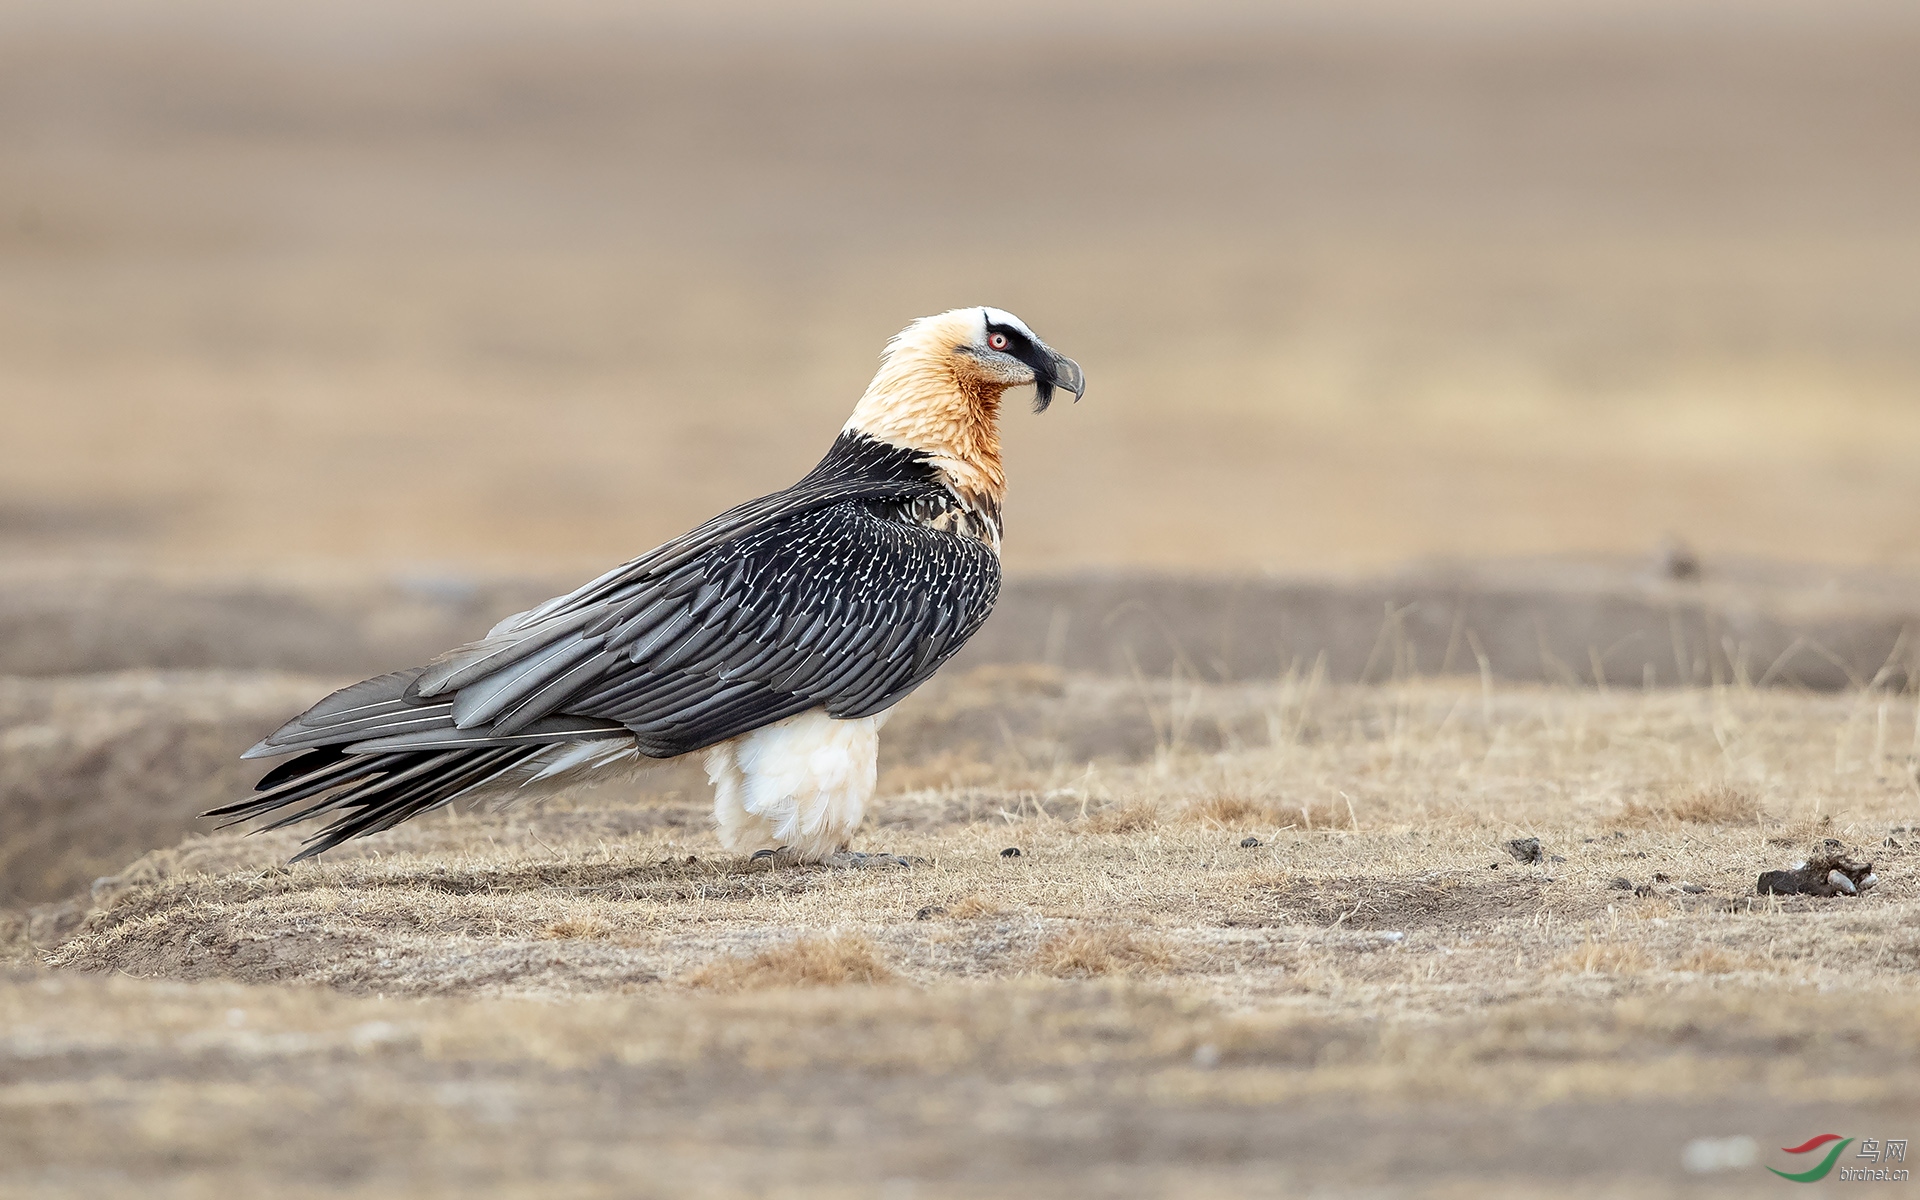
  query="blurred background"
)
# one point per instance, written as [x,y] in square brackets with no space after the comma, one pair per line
[483,287]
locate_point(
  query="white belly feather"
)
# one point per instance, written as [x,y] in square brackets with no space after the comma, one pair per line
[802,783]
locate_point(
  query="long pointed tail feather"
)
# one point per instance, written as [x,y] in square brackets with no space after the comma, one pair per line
[371,756]
[372,792]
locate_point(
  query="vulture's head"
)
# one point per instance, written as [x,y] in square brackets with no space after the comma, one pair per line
[940,381]
[993,349]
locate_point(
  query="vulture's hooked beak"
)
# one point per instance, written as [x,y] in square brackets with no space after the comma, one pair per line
[1061,372]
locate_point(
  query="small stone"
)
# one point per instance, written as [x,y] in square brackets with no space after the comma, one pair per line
[1010,852]
[1621,884]
[1526,850]
[1840,883]
[930,911]
[1675,560]
[1692,889]
[1248,843]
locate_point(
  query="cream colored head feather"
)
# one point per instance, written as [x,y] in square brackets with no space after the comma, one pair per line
[939,386]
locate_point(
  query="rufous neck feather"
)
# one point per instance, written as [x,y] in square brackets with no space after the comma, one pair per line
[927,398]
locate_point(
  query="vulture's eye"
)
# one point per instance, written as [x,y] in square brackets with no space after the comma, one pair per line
[997,340]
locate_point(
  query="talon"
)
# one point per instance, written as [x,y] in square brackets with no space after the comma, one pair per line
[762,855]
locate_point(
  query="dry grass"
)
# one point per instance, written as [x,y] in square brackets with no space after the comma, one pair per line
[834,961]
[1089,950]
[969,908]
[1713,804]
[631,889]
[1406,973]
[1719,804]
[966,1090]
[1605,958]
[1134,816]
[1233,812]
[577,926]
[1713,960]
[1240,811]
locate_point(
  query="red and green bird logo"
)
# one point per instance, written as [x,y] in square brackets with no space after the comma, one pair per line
[1818,1172]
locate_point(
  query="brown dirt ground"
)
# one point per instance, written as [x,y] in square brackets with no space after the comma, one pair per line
[587,998]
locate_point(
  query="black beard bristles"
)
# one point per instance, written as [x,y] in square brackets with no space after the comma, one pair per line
[1042,395]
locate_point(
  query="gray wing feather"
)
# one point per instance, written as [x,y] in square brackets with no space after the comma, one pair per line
[487,697]
[501,648]
[370,708]
[547,729]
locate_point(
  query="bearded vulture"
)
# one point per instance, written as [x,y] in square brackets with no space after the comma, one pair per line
[775,638]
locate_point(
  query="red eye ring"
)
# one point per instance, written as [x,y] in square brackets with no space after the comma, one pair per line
[997,340]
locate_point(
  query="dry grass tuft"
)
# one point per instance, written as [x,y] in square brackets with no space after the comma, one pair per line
[1237,810]
[1102,950]
[1229,810]
[1321,815]
[1643,814]
[1715,804]
[1720,804]
[577,927]
[1712,960]
[1604,958]
[833,961]
[977,905]
[1134,816]
[1803,832]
